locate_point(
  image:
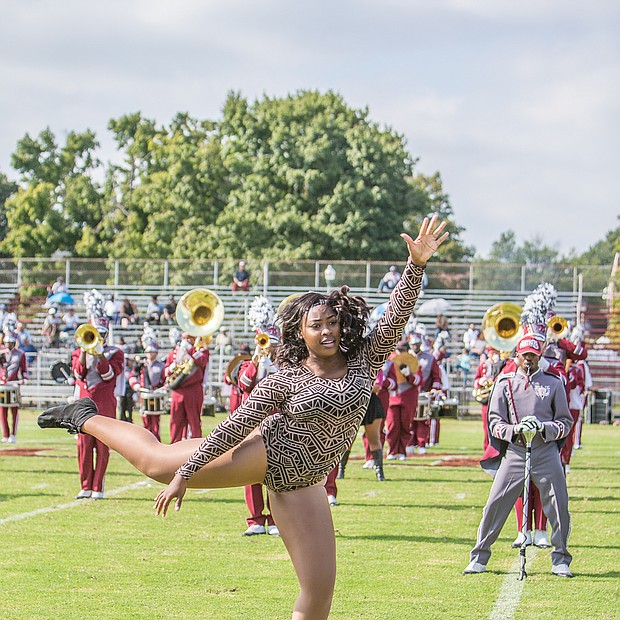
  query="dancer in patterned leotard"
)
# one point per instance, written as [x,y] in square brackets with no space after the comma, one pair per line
[327,368]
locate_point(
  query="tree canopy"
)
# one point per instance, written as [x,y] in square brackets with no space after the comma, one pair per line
[299,177]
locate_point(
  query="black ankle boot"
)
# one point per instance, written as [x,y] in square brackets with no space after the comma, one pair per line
[342,465]
[377,455]
[71,416]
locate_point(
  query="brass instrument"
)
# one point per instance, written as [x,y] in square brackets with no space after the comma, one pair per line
[88,338]
[501,326]
[263,342]
[286,301]
[405,359]
[234,366]
[200,313]
[481,394]
[558,327]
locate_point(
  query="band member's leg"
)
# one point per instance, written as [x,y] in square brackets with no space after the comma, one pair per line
[85,449]
[373,434]
[305,523]
[255,503]
[4,420]
[101,465]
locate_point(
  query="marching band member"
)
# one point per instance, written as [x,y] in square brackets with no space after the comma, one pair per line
[187,392]
[402,407]
[13,369]
[527,398]
[431,382]
[489,367]
[576,400]
[588,384]
[147,376]
[96,373]
[251,373]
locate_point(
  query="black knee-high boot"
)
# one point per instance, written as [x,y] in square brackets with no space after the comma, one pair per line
[342,465]
[377,455]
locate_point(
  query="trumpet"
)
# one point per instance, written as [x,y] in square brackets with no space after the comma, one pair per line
[558,327]
[262,341]
[87,337]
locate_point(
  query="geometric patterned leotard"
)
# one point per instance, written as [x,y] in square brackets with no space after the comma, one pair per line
[317,419]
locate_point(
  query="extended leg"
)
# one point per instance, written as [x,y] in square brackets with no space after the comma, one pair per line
[244,464]
[305,523]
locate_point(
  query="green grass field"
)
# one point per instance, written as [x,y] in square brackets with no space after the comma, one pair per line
[402,544]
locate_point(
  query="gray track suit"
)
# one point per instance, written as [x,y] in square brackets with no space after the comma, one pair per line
[515,396]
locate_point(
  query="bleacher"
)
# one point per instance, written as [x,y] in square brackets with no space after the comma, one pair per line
[463,307]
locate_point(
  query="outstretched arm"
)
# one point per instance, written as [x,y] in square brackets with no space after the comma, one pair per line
[403,299]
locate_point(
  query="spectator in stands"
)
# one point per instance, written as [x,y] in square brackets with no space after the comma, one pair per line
[59,286]
[3,314]
[154,311]
[477,348]
[51,328]
[223,341]
[389,280]
[28,348]
[129,313]
[463,365]
[69,321]
[441,325]
[170,310]
[112,310]
[241,278]
[23,334]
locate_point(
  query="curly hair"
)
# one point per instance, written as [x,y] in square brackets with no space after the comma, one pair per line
[352,312]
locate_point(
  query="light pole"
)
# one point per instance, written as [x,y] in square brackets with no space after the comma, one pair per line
[330,276]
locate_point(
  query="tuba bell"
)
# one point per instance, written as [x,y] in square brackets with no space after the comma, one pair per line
[232,370]
[87,337]
[501,326]
[557,327]
[200,312]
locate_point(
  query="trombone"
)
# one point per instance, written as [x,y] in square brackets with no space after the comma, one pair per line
[501,326]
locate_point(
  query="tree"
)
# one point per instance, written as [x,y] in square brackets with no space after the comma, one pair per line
[7,189]
[429,198]
[58,198]
[603,251]
[534,252]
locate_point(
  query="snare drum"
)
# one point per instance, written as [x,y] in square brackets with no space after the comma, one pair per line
[10,396]
[449,408]
[152,403]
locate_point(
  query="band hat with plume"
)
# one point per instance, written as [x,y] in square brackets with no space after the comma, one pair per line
[537,308]
[149,339]
[95,310]
[261,317]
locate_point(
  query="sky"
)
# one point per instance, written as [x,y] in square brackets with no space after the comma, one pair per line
[515,103]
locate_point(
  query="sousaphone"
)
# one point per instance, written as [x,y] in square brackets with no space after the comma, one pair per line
[232,370]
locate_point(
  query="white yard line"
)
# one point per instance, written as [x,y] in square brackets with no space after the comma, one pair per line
[78,502]
[512,589]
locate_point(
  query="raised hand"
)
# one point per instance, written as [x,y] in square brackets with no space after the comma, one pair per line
[428,240]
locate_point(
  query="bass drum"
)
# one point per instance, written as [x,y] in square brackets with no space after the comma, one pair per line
[61,372]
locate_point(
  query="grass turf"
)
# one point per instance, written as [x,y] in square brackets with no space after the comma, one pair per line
[402,544]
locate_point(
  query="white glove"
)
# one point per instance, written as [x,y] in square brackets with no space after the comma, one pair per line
[533,422]
[405,371]
[98,350]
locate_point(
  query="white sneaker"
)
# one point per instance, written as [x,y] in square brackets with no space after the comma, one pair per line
[255,529]
[273,530]
[369,464]
[567,469]
[518,541]
[561,570]
[12,439]
[83,494]
[475,567]
[97,495]
[421,450]
[390,457]
[410,450]
[332,500]
[401,457]
[5,440]
[540,539]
